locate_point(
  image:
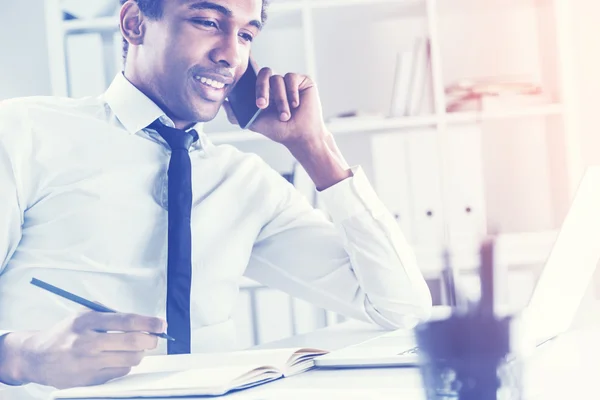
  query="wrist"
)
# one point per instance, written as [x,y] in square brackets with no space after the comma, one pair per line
[322,160]
[13,362]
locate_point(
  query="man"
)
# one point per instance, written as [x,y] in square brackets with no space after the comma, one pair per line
[86,205]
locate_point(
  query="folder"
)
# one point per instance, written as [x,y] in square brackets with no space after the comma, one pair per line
[391,178]
[466,191]
[425,188]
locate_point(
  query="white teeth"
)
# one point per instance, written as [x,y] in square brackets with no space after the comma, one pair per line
[210,82]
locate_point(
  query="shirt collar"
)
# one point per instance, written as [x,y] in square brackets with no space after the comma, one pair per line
[133,108]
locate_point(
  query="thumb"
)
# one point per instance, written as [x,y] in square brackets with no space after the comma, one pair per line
[229,111]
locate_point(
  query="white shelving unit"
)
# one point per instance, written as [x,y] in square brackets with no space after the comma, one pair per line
[524,163]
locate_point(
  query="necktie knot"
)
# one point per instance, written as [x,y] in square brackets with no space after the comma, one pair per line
[177,139]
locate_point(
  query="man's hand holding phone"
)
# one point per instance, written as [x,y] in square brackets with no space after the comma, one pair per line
[290,109]
[78,351]
[291,114]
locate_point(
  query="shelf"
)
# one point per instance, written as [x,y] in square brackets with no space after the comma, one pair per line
[111,24]
[103,24]
[348,3]
[475,116]
[338,128]
[373,125]
[359,125]
[488,5]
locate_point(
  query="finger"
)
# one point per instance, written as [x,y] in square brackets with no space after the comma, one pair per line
[108,374]
[229,111]
[279,97]
[262,87]
[128,341]
[96,321]
[292,83]
[118,359]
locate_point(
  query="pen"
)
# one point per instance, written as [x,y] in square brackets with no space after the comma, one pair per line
[86,303]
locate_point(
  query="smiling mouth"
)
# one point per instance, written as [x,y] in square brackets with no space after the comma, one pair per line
[212,83]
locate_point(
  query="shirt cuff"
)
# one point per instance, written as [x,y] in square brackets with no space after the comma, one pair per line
[351,197]
[2,384]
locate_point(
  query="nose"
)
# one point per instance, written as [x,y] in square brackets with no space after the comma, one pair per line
[226,52]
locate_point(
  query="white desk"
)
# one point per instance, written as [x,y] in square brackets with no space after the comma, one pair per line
[373,383]
[565,368]
[370,383]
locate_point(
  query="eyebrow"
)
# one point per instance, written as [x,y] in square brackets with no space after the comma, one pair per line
[207,5]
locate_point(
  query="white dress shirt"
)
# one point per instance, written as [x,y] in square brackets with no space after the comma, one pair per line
[83,194]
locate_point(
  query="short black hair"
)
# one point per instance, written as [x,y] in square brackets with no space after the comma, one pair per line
[153,10]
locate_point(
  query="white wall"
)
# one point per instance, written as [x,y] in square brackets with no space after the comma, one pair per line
[24,53]
[586,49]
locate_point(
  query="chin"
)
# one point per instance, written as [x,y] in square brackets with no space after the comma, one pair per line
[206,113]
[205,116]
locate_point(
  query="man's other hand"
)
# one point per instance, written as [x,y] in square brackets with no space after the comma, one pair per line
[78,351]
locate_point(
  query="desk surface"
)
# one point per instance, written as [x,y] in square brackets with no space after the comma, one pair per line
[376,383]
[372,383]
[566,368]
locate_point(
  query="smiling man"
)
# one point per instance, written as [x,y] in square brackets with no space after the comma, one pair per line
[123,200]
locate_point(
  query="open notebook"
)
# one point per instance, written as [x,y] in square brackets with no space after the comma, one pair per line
[200,374]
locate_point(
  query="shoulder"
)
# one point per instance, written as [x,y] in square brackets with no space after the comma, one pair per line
[27,120]
[30,109]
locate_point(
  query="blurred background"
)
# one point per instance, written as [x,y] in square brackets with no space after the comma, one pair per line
[469,117]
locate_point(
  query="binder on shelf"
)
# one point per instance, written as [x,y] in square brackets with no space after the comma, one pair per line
[420,83]
[465,196]
[391,178]
[425,189]
[412,90]
[401,85]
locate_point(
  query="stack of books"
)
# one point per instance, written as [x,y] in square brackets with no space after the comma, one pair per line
[412,92]
[493,94]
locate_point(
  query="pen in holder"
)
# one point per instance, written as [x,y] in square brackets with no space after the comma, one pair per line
[464,356]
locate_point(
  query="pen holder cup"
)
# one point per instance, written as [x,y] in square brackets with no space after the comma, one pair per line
[466,358]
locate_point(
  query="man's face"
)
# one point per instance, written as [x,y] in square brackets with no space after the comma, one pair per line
[195,53]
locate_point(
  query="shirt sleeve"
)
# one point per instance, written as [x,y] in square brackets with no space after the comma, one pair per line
[11,210]
[359,264]
[3,386]
[11,213]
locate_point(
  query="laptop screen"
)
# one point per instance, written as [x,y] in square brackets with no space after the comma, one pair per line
[570,266]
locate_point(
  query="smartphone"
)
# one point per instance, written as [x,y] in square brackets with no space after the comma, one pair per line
[243,97]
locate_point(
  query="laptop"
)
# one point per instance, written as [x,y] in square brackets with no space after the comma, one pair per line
[552,307]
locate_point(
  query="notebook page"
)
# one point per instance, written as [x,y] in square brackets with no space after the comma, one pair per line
[301,360]
[206,381]
[272,357]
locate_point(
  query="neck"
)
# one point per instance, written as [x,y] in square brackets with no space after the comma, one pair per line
[134,77]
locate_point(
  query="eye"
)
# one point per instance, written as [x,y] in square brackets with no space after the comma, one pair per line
[246,37]
[205,23]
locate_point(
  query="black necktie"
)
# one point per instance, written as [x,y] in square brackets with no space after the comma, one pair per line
[179,258]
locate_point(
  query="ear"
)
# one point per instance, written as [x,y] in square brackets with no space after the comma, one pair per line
[132,19]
